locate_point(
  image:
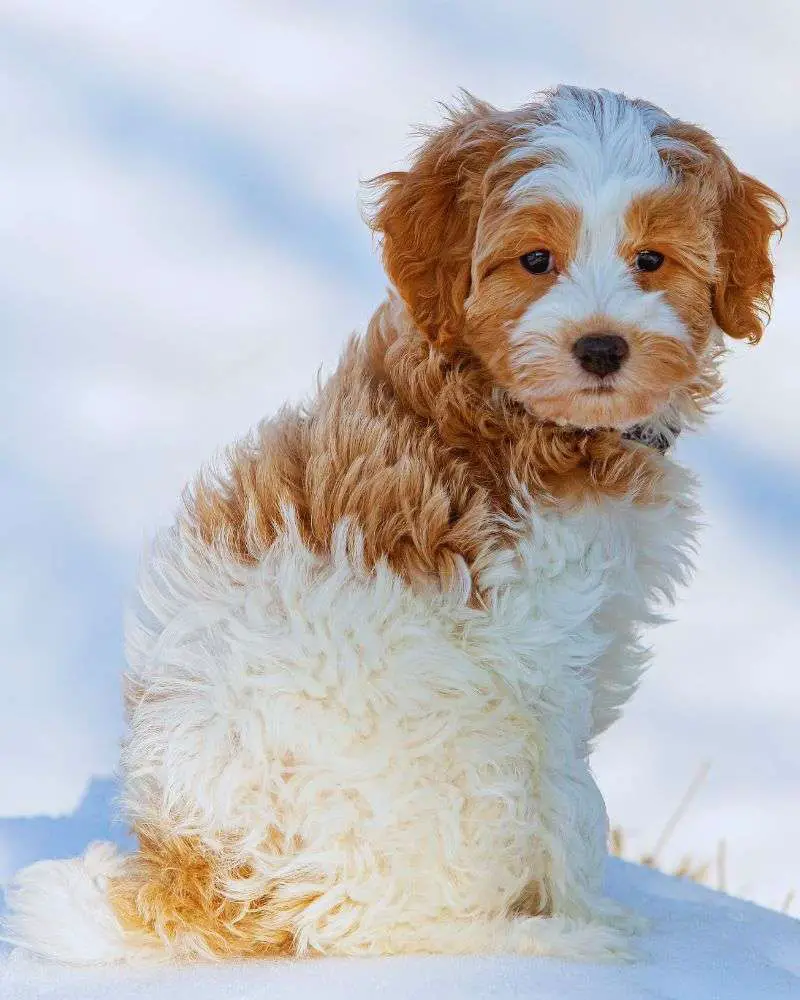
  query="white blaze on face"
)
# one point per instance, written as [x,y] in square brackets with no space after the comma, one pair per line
[600,155]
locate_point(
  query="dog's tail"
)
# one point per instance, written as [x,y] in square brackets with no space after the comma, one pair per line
[62,911]
[171,899]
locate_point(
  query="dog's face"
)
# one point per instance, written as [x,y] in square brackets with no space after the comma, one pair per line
[587,249]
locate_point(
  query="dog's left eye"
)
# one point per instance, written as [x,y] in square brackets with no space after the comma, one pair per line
[649,260]
[537,262]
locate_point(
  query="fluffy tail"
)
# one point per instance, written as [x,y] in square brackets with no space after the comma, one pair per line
[60,910]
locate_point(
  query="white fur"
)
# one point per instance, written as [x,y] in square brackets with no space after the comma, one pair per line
[598,145]
[598,285]
[600,154]
[60,910]
[426,759]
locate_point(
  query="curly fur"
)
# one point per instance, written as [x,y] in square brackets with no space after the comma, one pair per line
[368,661]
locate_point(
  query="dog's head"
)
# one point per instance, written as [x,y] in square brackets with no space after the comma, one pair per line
[587,249]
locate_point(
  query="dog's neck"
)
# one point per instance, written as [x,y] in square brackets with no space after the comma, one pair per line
[499,442]
[391,325]
[656,435]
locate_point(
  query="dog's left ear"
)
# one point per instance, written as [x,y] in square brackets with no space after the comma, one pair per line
[427,217]
[742,295]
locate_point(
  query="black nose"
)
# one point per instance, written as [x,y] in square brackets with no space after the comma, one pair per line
[601,353]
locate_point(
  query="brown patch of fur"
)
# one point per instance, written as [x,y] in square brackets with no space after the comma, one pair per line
[503,238]
[418,445]
[748,214]
[501,287]
[677,222]
[533,901]
[751,216]
[175,890]
[421,456]
[428,216]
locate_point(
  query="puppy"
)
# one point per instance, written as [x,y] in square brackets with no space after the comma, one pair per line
[369,660]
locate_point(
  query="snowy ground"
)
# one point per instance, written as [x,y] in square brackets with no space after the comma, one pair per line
[181,249]
[702,946]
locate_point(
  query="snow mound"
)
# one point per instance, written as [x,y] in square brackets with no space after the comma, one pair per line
[702,946]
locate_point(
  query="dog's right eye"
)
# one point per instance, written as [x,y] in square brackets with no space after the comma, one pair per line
[537,262]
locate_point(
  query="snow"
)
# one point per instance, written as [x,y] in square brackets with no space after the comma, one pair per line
[702,945]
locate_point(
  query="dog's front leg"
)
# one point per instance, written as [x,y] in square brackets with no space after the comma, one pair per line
[573,834]
[576,825]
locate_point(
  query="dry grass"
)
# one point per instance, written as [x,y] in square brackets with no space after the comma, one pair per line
[711,872]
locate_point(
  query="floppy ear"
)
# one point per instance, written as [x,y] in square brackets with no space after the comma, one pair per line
[742,296]
[428,215]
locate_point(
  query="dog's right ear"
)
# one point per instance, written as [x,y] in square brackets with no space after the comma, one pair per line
[427,217]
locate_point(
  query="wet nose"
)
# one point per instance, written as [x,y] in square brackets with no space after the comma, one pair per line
[601,353]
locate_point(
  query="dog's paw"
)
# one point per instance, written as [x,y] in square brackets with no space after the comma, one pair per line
[614,914]
[575,940]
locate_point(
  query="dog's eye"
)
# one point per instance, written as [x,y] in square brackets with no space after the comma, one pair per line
[649,260]
[537,262]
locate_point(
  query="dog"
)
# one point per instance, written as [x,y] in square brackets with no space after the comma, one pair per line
[368,662]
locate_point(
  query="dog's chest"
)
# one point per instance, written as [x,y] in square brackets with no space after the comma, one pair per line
[575,580]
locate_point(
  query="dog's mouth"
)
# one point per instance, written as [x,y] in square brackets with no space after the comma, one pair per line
[606,405]
[598,390]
